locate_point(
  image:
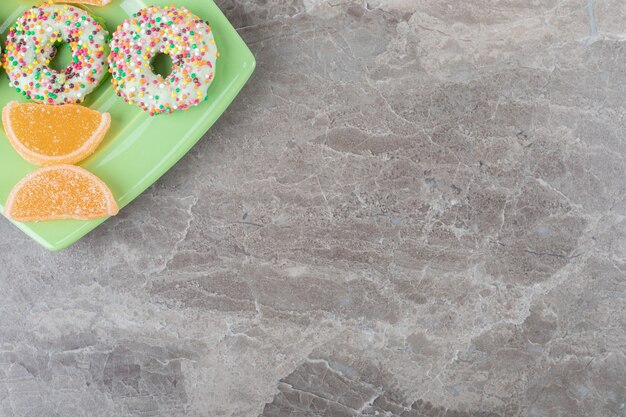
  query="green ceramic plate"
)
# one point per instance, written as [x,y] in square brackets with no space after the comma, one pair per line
[138,149]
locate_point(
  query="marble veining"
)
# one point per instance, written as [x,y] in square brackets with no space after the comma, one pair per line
[415,208]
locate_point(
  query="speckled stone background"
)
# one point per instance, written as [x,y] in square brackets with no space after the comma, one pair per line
[415,208]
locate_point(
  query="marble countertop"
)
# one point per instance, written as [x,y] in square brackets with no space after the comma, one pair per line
[414,208]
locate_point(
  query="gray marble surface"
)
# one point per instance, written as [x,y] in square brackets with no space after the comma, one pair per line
[415,208]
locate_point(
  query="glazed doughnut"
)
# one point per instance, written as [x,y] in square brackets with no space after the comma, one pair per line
[89,2]
[31,45]
[177,32]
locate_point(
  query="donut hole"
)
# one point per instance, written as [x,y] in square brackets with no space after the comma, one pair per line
[162,64]
[62,56]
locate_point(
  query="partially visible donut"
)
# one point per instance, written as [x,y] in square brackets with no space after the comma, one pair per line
[177,32]
[89,2]
[31,45]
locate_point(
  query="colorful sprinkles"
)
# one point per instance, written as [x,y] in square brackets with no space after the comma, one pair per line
[30,47]
[177,32]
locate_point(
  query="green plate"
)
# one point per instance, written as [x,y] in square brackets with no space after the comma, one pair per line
[138,149]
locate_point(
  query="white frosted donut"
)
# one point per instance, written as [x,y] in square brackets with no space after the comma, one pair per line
[177,32]
[30,46]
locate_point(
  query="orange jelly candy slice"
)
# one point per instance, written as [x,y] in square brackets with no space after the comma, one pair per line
[60,192]
[51,135]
